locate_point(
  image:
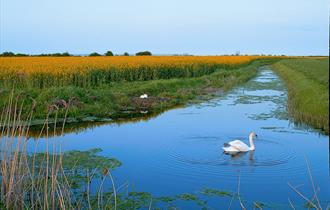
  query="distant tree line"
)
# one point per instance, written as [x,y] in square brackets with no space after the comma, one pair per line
[11,54]
[66,54]
[109,53]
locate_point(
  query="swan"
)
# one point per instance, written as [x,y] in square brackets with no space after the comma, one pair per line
[239,146]
[144,96]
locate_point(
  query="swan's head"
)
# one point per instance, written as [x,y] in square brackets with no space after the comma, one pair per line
[253,134]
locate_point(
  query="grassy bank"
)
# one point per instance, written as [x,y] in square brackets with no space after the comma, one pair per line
[307,80]
[121,99]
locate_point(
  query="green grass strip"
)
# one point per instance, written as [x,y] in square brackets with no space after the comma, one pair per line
[307,80]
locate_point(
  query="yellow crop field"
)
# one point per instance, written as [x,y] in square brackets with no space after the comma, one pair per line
[44,72]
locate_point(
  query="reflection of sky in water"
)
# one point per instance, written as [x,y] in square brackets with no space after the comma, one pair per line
[180,150]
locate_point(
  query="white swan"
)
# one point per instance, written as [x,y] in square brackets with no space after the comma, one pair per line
[144,96]
[239,146]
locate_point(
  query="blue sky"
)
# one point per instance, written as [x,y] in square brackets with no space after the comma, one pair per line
[208,27]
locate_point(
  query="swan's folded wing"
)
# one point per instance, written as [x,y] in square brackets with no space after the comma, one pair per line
[230,149]
[241,146]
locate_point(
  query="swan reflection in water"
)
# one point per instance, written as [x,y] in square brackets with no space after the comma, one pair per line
[240,157]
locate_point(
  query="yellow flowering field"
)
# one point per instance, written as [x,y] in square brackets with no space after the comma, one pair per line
[44,72]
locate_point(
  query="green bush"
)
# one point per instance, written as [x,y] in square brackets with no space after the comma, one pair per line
[108,53]
[7,54]
[94,54]
[143,53]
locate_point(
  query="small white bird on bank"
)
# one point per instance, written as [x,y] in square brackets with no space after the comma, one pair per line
[144,96]
[239,146]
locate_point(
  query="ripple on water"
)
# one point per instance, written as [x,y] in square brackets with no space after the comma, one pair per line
[272,158]
[189,159]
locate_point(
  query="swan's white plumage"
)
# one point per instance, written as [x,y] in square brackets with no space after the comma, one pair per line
[230,149]
[239,146]
[144,96]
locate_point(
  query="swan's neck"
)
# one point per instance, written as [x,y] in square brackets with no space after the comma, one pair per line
[251,143]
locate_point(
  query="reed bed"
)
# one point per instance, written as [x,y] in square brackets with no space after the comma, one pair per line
[43,72]
[51,179]
[25,183]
